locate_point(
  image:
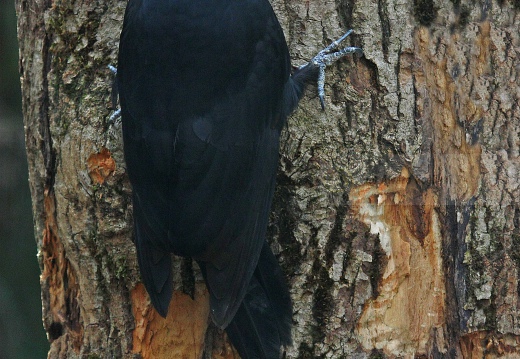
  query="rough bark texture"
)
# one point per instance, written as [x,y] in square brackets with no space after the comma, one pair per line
[395,218]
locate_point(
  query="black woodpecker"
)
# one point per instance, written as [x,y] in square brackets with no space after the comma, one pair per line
[205,88]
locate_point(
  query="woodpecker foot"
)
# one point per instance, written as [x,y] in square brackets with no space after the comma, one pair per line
[117,111]
[114,117]
[327,57]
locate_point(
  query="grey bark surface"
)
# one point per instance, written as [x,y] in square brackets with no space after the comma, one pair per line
[396,216]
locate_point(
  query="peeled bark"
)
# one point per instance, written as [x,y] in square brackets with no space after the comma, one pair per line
[395,218]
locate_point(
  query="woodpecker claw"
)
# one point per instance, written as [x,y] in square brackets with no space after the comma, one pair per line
[115,116]
[327,57]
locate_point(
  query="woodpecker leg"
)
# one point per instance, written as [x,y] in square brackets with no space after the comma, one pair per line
[327,57]
[115,116]
[117,111]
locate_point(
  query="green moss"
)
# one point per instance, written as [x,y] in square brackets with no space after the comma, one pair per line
[63,124]
[113,263]
[91,239]
[425,12]
[95,188]
[121,268]
[495,231]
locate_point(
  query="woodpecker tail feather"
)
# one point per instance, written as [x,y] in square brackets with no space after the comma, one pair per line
[155,265]
[262,324]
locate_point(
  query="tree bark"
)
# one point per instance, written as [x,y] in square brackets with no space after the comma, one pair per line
[396,216]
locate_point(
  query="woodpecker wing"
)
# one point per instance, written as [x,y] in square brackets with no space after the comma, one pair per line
[201,89]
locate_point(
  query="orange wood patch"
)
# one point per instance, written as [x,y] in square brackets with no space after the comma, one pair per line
[101,165]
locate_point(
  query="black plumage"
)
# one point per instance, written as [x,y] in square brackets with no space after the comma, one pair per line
[205,88]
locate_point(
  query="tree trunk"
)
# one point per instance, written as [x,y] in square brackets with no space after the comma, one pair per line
[395,219]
